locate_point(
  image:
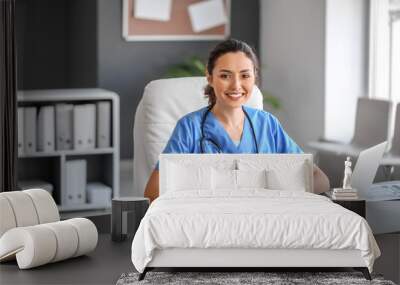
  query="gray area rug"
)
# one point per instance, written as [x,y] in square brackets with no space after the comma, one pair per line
[226,278]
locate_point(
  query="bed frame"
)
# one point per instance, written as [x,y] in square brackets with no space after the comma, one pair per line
[242,259]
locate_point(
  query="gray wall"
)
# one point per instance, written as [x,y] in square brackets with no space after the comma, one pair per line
[346,64]
[82,43]
[56,44]
[78,43]
[292,50]
[315,58]
[41,44]
[126,67]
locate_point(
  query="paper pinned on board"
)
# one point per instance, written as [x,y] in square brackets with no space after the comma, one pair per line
[207,14]
[156,10]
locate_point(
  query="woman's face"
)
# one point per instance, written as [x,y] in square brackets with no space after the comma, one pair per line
[232,79]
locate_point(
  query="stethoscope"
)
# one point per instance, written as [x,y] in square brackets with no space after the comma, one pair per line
[219,150]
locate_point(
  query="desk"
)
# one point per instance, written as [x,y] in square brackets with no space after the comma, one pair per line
[355,205]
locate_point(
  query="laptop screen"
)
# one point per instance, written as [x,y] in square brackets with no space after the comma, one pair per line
[366,168]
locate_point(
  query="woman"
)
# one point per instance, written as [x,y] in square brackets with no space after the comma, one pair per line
[226,125]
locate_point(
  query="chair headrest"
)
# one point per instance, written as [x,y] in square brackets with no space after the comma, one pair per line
[167,100]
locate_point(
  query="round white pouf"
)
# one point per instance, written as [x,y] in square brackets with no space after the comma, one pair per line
[23,208]
[67,240]
[46,208]
[87,235]
[33,246]
[40,244]
[6,215]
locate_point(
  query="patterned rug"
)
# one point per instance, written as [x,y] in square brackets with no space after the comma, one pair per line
[229,278]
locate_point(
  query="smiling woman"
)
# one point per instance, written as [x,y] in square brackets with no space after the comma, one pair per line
[231,84]
[230,56]
[226,125]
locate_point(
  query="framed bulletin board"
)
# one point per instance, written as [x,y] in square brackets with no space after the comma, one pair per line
[175,20]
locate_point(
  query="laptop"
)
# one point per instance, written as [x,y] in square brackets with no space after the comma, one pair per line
[382,199]
[366,167]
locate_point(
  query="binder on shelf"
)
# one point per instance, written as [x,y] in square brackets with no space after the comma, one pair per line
[20,130]
[64,116]
[30,130]
[75,182]
[49,169]
[84,126]
[103,124]
[99,194]
[46,128]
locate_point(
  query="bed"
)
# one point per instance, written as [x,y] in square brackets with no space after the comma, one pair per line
[247,210]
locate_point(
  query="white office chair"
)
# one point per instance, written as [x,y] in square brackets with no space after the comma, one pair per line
[392,158]
[163,103]
[371,128]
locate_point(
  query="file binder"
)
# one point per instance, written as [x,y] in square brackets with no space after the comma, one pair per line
[84,126]
[64,116]
[98,194]
[75,182]
[103,124]
[30,130]
[20,130]
[45,137]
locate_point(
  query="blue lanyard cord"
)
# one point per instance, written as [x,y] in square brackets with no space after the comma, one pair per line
[203,138]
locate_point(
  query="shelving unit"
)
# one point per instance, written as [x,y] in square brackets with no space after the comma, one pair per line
[102,163]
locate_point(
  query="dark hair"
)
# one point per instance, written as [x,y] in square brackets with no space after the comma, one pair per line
[231,45]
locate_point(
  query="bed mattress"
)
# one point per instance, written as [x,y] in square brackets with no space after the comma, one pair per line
[250,219]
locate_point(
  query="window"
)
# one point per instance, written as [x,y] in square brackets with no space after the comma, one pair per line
[395,54]
[384,54]
[384,63]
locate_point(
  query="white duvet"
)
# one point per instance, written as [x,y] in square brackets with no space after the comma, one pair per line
[252,218]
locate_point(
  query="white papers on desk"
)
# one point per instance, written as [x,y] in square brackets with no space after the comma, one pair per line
[30,130]
[20,130]
[156,10]
[383,191]
[103,124]
[64,117]
[46,129]
[208,14]
[84,126]
[75,182]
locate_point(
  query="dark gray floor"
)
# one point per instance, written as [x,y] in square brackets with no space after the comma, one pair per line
[102,266]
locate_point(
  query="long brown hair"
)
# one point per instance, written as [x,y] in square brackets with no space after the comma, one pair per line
[231,45]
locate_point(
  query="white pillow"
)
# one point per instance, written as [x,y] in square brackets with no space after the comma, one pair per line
[224,179]
[183,177]
[294,178]
[252,178]
[227,179]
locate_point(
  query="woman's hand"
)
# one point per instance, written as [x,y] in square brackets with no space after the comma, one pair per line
[321,181]
[152,187]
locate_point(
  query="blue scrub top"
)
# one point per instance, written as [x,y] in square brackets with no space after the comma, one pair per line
[271,137]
